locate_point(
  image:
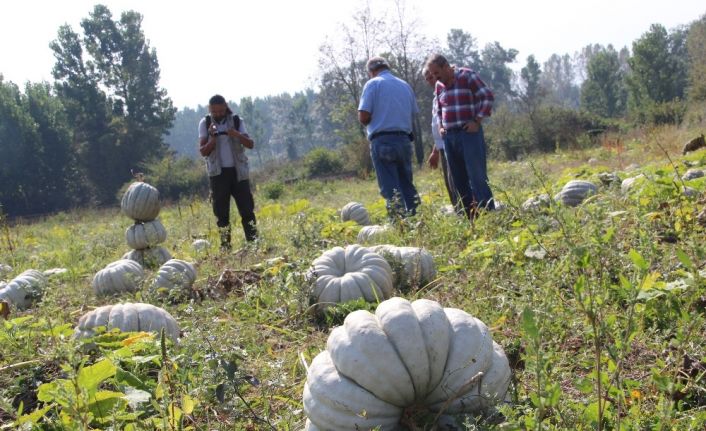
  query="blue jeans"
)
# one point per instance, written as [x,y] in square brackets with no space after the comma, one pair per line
[465,155]
[392,159]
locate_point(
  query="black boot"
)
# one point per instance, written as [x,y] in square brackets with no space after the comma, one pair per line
[225,238]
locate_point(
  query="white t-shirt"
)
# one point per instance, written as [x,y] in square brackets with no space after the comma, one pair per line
[222,141]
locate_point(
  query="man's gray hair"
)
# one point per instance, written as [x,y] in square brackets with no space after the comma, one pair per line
[377,63]
[437,60]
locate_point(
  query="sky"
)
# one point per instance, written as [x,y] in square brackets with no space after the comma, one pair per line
[265,47]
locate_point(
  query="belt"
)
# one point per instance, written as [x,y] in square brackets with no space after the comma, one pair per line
[455,129]
[392,132]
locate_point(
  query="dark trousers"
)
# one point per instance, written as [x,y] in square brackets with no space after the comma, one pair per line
[466,156]
[224,186]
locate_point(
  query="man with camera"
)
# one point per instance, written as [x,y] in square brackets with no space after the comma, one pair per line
[222,141]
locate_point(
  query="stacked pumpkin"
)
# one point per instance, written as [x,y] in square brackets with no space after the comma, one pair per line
[141,203]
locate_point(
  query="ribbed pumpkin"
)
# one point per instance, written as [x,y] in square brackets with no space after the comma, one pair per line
[175,274]
[575,191]
[128,317]
[123,275]
[355,211]
[22,290]
[629,183]
[371,233]
[140,202]
[343,274]
[692,174]
[145,234]
[404,358]
[412,266]
[151,257]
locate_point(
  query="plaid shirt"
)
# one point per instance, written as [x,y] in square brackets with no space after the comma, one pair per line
[467,99]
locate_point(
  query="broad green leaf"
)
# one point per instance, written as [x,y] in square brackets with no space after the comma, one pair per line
[35,416]
[60,391]
[187,404]
[127,378]
[638,260]
[529,324]
[105,402]
[90,377]
[685,260]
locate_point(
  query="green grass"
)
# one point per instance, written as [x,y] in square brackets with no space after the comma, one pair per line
[596,334]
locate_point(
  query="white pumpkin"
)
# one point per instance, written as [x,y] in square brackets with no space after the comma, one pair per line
[151,257]
[692,173]
[341,275]
[148,234]
[412,266]
[128,317]
[22,290]
[407,355]
[140,202]
[201,245]
[574,192]
[355,211]
[629,183]
[123,275]
[536,202]
[371,233]
[175,274]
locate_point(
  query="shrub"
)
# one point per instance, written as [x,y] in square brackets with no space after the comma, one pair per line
[321,161]
[273,190]
[175,177]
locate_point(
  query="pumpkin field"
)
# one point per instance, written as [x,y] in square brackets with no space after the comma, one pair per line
[579,304]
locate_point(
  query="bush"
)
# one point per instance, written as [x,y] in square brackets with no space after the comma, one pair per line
[273,190]
[658,113]
[321,161]
[175,177]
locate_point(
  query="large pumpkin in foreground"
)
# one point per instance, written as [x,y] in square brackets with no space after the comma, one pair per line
[128,317]
[140,202]
[404,357]
[344,274]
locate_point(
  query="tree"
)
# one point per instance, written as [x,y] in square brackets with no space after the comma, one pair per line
[657,67]
[36,162]
[603,92]
[696,45]
[462,49]
[109,80]
[559,81]
[496,72]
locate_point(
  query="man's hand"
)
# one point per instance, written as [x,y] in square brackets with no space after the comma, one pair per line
[434,158]
[472,126]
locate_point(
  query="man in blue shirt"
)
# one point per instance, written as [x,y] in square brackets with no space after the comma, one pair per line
[387,106]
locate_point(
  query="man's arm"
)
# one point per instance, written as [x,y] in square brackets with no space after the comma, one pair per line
[364,117]
[206,145]
[242,137]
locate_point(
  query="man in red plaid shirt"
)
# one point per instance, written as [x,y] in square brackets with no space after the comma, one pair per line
[464,101]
